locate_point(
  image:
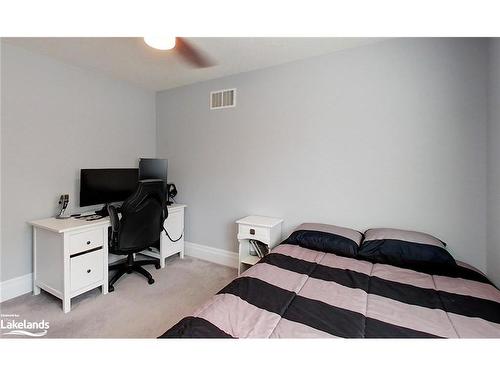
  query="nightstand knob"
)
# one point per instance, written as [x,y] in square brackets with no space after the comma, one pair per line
[88,271]
[88,242]
[252,231]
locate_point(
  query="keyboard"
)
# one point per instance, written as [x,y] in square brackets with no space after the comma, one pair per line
[89,217]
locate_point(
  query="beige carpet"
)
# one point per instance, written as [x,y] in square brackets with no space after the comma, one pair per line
[134,309]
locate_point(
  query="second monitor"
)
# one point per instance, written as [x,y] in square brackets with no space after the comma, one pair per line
[153,169]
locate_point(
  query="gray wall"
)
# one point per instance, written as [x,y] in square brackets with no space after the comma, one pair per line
[1,117]
[493,256]
[390,134]
[56,119]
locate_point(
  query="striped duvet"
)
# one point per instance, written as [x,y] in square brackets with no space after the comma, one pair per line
[300,293]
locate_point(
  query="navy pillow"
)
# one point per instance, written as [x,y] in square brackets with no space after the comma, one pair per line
[407,249]
[326,238]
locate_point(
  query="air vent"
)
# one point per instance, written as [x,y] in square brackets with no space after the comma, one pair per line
[223,99]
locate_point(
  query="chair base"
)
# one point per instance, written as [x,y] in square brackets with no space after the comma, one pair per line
[129,266]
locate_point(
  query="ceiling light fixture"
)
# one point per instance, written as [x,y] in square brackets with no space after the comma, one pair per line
[162,43]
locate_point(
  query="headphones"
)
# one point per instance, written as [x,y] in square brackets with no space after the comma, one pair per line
[171,193]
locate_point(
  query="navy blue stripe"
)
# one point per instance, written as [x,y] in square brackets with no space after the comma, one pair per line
[260,293]
[327,318]
[470,306]
[192,327]
[289,263]
[323,241]
[420,257]
[378,329]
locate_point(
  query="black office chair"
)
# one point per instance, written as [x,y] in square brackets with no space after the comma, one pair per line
[139,228]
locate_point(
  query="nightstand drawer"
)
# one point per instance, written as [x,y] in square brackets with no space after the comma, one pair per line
[253,233]
[84,241]
[86,269]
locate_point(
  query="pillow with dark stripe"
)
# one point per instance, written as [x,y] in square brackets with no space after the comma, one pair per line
[408,249]
[326,238]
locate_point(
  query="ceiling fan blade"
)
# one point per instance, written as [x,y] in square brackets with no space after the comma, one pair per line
[192,54]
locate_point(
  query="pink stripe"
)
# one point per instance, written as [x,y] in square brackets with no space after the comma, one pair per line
[335,261]
[467,288]
[419,318]
[238,317]
[279,277]
[288,329]
[403,275]
[335,294]
[299,253]
[474,327]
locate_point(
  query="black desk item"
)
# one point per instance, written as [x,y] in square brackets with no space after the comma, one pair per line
[139,228]
[105,186]
[153,169]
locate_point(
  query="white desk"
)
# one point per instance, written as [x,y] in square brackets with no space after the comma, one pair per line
[70,256]
[174,224]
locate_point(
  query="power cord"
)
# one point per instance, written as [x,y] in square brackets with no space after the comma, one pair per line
[170,238]
[165,230]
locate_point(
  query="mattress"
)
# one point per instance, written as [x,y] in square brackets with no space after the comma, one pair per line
[295,292]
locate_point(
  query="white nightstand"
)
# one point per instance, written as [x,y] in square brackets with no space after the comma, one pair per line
[262,228]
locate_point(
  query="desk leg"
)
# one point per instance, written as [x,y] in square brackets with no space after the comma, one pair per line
[36,289]
[66,304]
[105,261]
[66,293]
[163,249]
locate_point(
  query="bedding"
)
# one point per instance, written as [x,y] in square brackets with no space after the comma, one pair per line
[326,238]
[409,249]
[296,292]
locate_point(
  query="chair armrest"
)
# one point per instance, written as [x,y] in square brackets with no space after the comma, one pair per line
[165,213]
[113,218]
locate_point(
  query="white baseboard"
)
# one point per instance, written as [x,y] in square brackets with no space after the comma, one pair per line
[15,287]
[211,254]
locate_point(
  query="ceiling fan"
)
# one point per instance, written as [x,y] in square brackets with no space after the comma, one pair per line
[194,56]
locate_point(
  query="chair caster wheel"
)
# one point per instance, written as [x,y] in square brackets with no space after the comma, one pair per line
[151,281]
[111,288]
[157,266]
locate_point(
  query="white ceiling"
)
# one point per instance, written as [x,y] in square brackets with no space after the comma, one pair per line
[131,60]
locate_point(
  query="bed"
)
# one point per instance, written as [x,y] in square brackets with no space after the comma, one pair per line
[308,288]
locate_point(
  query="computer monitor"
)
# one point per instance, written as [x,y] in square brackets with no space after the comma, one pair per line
[103,186]
[153,169]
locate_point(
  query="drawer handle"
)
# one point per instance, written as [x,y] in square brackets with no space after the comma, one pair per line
[89,271]
[252,231]
[88,242]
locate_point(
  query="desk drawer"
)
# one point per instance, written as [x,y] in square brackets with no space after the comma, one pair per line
[85,241]
[86,269]
[253,233]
